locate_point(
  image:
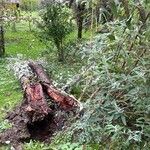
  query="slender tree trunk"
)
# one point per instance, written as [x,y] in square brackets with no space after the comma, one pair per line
[97,15]
[98,10]
[61,55]
[2,43]
[80,10]
[80,27]
[60,51]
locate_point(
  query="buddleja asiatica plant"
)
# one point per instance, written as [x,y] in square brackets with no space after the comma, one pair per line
[116,112]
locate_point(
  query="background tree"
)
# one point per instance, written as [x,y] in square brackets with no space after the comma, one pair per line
[56,25]
[89,12]
[79,12]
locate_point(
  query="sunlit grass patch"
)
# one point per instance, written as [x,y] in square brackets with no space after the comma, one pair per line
[23,42]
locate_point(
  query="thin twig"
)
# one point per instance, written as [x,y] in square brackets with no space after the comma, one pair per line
[136,36]
[85,88]
[95,93]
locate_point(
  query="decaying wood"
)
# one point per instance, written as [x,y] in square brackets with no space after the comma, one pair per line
[35,100]
[39,71]
[36,117]
[65,100]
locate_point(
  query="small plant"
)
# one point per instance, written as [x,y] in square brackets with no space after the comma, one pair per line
[4,125]
[29,5]
[32,145]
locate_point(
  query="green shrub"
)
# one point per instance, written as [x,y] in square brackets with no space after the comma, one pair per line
[55,25]
[29,5]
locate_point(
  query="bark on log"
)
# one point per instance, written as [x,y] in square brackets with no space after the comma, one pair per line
[39,71]
[65,100]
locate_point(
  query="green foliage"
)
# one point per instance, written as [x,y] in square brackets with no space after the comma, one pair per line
[117,116]
[70,146]
[32,145]
[4,125]
[56,25]
[29,5]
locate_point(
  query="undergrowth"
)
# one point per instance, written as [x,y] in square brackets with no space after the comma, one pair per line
[116,91]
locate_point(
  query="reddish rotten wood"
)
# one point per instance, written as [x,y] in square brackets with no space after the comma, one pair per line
[34,99]
[65,100]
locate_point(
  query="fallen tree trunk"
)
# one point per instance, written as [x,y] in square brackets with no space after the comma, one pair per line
[65,100]
[36,118]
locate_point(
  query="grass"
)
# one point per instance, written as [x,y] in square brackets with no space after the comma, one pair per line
[10,95]
[24,43]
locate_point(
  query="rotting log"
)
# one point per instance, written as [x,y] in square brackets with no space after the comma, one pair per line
[65,100]
[35,118]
